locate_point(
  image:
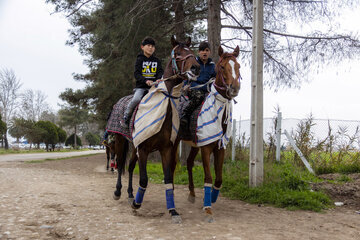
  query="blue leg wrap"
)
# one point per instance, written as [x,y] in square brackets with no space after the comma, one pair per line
[214,195]
[170,204]
[140,195]
[207,196]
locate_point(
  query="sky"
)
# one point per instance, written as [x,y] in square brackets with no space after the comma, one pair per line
[32,44]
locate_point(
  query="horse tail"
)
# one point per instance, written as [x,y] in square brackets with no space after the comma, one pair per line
[122,149]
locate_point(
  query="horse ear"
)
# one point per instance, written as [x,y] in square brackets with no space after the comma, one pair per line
[220,51]
[173,41]
[236,51]
[188,41]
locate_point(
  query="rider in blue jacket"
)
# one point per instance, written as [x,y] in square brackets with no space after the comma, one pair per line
[199,88]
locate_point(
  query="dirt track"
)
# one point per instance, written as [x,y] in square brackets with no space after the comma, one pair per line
[72,199]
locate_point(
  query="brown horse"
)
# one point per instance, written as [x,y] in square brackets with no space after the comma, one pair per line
[110,153]
[227,84]
[182,66]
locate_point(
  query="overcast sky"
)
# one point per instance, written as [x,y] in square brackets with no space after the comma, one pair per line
[32,44]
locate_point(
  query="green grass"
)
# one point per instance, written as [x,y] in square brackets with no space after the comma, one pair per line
[284,185]
[12,151]
[57,159]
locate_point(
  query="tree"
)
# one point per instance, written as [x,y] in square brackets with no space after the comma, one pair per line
[50,134]
[2,130]
[214,26]
[299,37]
[17,128]
[75,112]
[92,139]
[70,141]
[33,104]
[62,134]
[9,93]
[109,32]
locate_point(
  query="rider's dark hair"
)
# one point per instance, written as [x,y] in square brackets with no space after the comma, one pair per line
[148,40]
[203,45]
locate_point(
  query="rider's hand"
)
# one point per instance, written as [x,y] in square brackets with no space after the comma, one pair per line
[149,83]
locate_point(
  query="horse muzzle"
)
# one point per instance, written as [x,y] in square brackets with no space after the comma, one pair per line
[190,75]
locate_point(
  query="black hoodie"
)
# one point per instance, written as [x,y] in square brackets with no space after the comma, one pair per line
[147,69]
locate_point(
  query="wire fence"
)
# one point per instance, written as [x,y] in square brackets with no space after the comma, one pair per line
[342,131]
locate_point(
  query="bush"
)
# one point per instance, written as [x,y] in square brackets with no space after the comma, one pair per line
[70,141]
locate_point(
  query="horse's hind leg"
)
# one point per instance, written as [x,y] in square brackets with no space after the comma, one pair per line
[218,164]
[190,164]
[132,165]
[166,154]
[107,158]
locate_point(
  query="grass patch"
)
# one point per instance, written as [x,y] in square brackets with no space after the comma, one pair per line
[284,185]
[57,159]
[17,151]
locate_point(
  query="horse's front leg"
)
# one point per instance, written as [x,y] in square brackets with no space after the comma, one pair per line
[190,164]
[143,182]
[167,164]
[218,164]
[205,154]
[132,165]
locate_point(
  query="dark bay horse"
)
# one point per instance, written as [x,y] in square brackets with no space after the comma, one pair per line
[110,153]
[227,84]
[181,66]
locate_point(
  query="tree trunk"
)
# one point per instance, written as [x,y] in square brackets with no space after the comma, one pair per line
[214,27]
[178,6]
[75,144]
[6,141]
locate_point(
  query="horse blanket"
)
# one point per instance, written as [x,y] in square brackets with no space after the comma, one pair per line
[206,121]
[116,123]
[152,111]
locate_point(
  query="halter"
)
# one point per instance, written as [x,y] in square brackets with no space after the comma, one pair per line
[178,58]
[225,87]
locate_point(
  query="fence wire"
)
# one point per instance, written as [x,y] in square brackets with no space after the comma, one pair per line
[343,131]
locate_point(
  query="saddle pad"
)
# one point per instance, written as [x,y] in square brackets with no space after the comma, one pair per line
[209,122]
[152,111]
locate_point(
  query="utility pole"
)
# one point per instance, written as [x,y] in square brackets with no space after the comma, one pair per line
[256,166]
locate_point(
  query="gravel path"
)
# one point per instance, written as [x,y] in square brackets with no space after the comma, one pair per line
[72,199]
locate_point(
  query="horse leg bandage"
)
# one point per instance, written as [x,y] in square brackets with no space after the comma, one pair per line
[214,194]
[207,195]
[140,195]
[170,204]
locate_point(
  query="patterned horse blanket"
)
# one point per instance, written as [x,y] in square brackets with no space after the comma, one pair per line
[149,116]
[152,111]
[206,121]
[116,123]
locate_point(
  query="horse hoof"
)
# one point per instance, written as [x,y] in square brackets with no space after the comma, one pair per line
[176,219]
[112,169]
[116,197]
[208,215]
[191,198]
[134,205]
[130,201]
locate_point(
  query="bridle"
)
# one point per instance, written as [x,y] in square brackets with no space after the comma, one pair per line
[176,59]
[225,87]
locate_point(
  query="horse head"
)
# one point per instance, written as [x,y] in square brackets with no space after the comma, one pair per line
[228,74]
[183,60]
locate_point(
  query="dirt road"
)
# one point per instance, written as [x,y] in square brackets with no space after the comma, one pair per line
[72,199]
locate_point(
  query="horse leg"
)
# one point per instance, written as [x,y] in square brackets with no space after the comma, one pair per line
[112,161]
[205,154]
[169,184]
[190,164]
[132,165]
[218,164]
[108,158]
[142,155]
[121,149]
